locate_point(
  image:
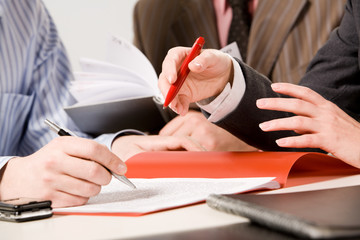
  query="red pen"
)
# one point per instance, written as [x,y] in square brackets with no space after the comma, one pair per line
[184,71]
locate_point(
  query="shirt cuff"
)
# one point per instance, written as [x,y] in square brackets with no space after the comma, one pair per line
[108,139]
[4,160]
[228,99]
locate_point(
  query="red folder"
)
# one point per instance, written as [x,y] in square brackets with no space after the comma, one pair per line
[182,164]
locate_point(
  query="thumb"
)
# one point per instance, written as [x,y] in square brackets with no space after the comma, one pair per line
[197,65]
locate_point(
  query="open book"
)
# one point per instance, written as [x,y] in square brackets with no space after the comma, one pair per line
[167,180]
[118,93]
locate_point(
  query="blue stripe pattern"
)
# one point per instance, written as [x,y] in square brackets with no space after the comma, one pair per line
[34,77]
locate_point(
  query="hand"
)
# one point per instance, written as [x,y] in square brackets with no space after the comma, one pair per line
[211,137]
[320,122]
[209,73]
[67,171]
[127,146]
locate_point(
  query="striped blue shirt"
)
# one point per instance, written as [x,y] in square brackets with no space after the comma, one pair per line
[34,77]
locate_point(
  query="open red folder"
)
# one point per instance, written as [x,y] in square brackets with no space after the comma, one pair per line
[233,165]
[201,173]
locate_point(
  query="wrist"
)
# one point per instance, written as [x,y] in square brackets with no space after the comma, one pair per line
[227,78]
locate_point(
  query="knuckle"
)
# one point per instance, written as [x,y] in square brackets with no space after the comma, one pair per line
[78,201]
[307,91]
[193,120]
[94,170]
[211,144]
[92,190]
[48,194]
[298,121]
[49,163]
[309,139]
[204,130]
[95,149]
[47,179]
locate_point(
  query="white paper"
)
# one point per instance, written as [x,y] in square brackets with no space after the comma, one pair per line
[126,73]
[164,193]
[123,53]
[90,92]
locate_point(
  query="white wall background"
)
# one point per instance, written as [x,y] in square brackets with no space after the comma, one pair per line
[84,24]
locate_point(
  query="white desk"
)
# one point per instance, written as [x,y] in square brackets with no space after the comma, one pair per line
[182,219]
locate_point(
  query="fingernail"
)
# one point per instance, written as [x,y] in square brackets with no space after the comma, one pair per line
[198,65]
[276,86]
[261,103]
[169,78]
[264,126]
[122,168]
[281,142]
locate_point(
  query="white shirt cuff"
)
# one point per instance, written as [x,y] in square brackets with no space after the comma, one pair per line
[108,139]
[228,99]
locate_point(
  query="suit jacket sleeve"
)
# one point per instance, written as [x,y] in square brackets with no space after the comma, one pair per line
[334,72]
[244,121]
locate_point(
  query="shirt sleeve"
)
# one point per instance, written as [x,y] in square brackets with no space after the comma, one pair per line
[37,88]
[228,99]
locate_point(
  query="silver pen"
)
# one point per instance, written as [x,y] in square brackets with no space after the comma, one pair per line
[62,132]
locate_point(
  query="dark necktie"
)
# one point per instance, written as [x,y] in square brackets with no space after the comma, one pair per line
[240,25]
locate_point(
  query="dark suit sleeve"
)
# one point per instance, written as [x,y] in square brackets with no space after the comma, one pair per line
[244,121]
[334,72]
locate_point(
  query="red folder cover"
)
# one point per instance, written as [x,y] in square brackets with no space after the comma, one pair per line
[182,164]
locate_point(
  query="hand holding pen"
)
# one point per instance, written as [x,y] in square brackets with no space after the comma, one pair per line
[67,171]
[63,132]
[208,74]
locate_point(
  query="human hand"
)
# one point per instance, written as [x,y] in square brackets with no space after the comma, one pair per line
[127,146]
[320,122]
[209,73]
[211,137]
[67,171]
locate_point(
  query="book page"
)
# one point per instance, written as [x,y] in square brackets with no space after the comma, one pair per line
[164,193]
[123,53]
[90,92]
[91,67]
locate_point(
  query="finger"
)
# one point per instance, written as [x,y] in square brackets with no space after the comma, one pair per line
[172,127]
[169,143]
[207,59]
[164,87]
[198,146]
[62,199]
[293,105]
[297,91]
[296,123]
[76,187]
[91,150]
[172,63]
[302,141]
[185,143]
[90,171]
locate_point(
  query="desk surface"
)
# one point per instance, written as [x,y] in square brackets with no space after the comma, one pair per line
[194,217]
